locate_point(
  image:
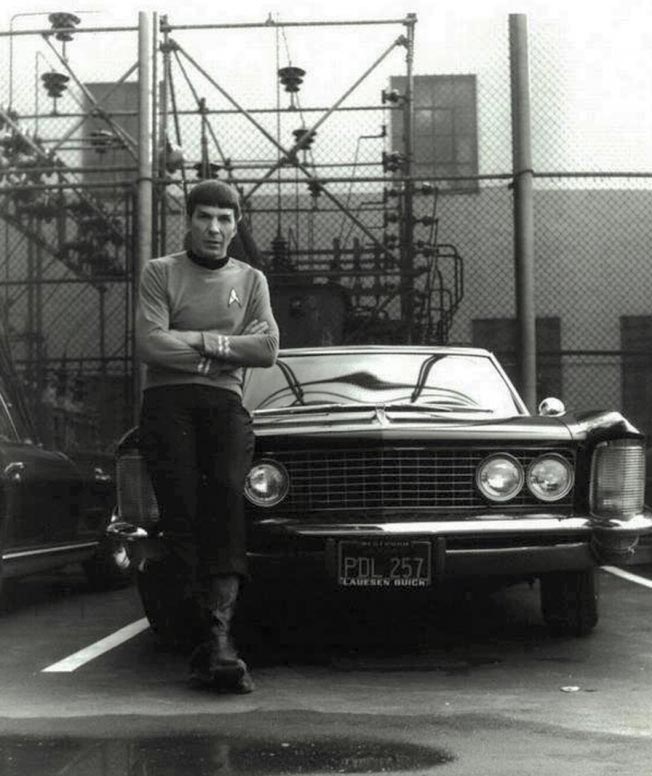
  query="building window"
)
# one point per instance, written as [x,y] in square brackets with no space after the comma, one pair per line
[445,129]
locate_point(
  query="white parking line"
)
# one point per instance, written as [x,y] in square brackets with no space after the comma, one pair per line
[628,576]
[87,654]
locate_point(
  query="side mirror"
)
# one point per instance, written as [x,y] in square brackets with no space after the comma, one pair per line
[551,406]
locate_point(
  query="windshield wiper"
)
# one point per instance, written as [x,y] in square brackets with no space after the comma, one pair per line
[424,371]
[292,381]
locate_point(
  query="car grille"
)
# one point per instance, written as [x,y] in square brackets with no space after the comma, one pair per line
[394,478]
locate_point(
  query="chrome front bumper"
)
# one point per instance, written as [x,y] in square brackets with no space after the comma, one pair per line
[479,545]
[478,525]
[482,545]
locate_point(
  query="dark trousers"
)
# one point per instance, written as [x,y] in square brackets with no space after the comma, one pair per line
[198,445]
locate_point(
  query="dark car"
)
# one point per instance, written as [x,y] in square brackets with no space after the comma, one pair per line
[406,468]
[56,509]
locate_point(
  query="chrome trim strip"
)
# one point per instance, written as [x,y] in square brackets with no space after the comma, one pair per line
[640,523]
[47,551]
[441,527]
[493,551]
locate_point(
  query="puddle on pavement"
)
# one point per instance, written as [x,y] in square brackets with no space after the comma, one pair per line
[402,663]
[208,756]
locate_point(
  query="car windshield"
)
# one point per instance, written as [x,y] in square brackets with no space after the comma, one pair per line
[446,382]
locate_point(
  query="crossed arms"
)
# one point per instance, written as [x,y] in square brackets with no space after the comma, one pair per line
[206,352]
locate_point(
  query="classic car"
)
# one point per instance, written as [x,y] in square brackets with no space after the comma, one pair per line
[400,468]
[56,509]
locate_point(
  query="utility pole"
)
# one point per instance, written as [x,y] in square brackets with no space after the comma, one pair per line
[523,207]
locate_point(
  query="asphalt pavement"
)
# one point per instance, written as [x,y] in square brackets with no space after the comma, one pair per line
[466,684]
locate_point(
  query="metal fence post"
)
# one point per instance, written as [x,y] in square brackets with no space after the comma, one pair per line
[523,206]
[145,142]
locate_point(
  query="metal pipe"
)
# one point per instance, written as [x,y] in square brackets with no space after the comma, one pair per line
[53,168]
[392,179]
[38,315]
[163,140]
[155,133]
[177,123]
[144,218]
[267,24]
[66,187]
[407,225]
[54,30]
[270,23]
[72,281]
[227,111]
[29,324]
[523,206]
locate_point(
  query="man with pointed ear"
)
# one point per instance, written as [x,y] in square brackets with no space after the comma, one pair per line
[202,317]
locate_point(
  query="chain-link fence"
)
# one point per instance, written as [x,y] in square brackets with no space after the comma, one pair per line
[375,216]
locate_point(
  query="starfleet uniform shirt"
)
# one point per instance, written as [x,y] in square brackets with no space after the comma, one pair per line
[182,301]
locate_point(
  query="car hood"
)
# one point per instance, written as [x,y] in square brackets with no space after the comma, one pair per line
[392,423]
[385,423]
[368,423]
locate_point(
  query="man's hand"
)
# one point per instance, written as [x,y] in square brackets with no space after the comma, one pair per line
[256,327]
[211,366]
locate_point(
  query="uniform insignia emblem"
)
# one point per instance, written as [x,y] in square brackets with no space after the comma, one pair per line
[233,297]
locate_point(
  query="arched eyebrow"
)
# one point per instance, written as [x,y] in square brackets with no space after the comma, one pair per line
[227,215]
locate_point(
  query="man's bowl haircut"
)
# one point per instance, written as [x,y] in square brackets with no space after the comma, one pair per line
[214,194]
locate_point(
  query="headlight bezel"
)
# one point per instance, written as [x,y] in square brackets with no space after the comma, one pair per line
[284,489]
[482,467]
[569,485]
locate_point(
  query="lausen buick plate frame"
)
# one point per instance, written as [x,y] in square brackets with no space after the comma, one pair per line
[384,563]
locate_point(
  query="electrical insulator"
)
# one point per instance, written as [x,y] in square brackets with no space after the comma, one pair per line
[391,95]
[427,189]
[424,248]
[101,139]
[291,77]
[63,19]
[390,239]
[213,170]
[387,193]
[173,156]
[392,161]
[426,220]
[299,134]
[390,217]
[315,189]
[55,83]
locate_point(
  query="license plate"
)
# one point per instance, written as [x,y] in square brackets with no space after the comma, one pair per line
[384,564]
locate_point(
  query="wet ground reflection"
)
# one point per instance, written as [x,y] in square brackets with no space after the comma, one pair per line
[208,756]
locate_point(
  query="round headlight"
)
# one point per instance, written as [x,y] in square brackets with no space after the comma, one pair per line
[499,477]
[267,483]
[550,477]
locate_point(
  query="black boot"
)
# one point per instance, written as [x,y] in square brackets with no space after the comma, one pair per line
[215,663]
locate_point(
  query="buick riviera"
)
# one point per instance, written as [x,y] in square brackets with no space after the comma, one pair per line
[407,468]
